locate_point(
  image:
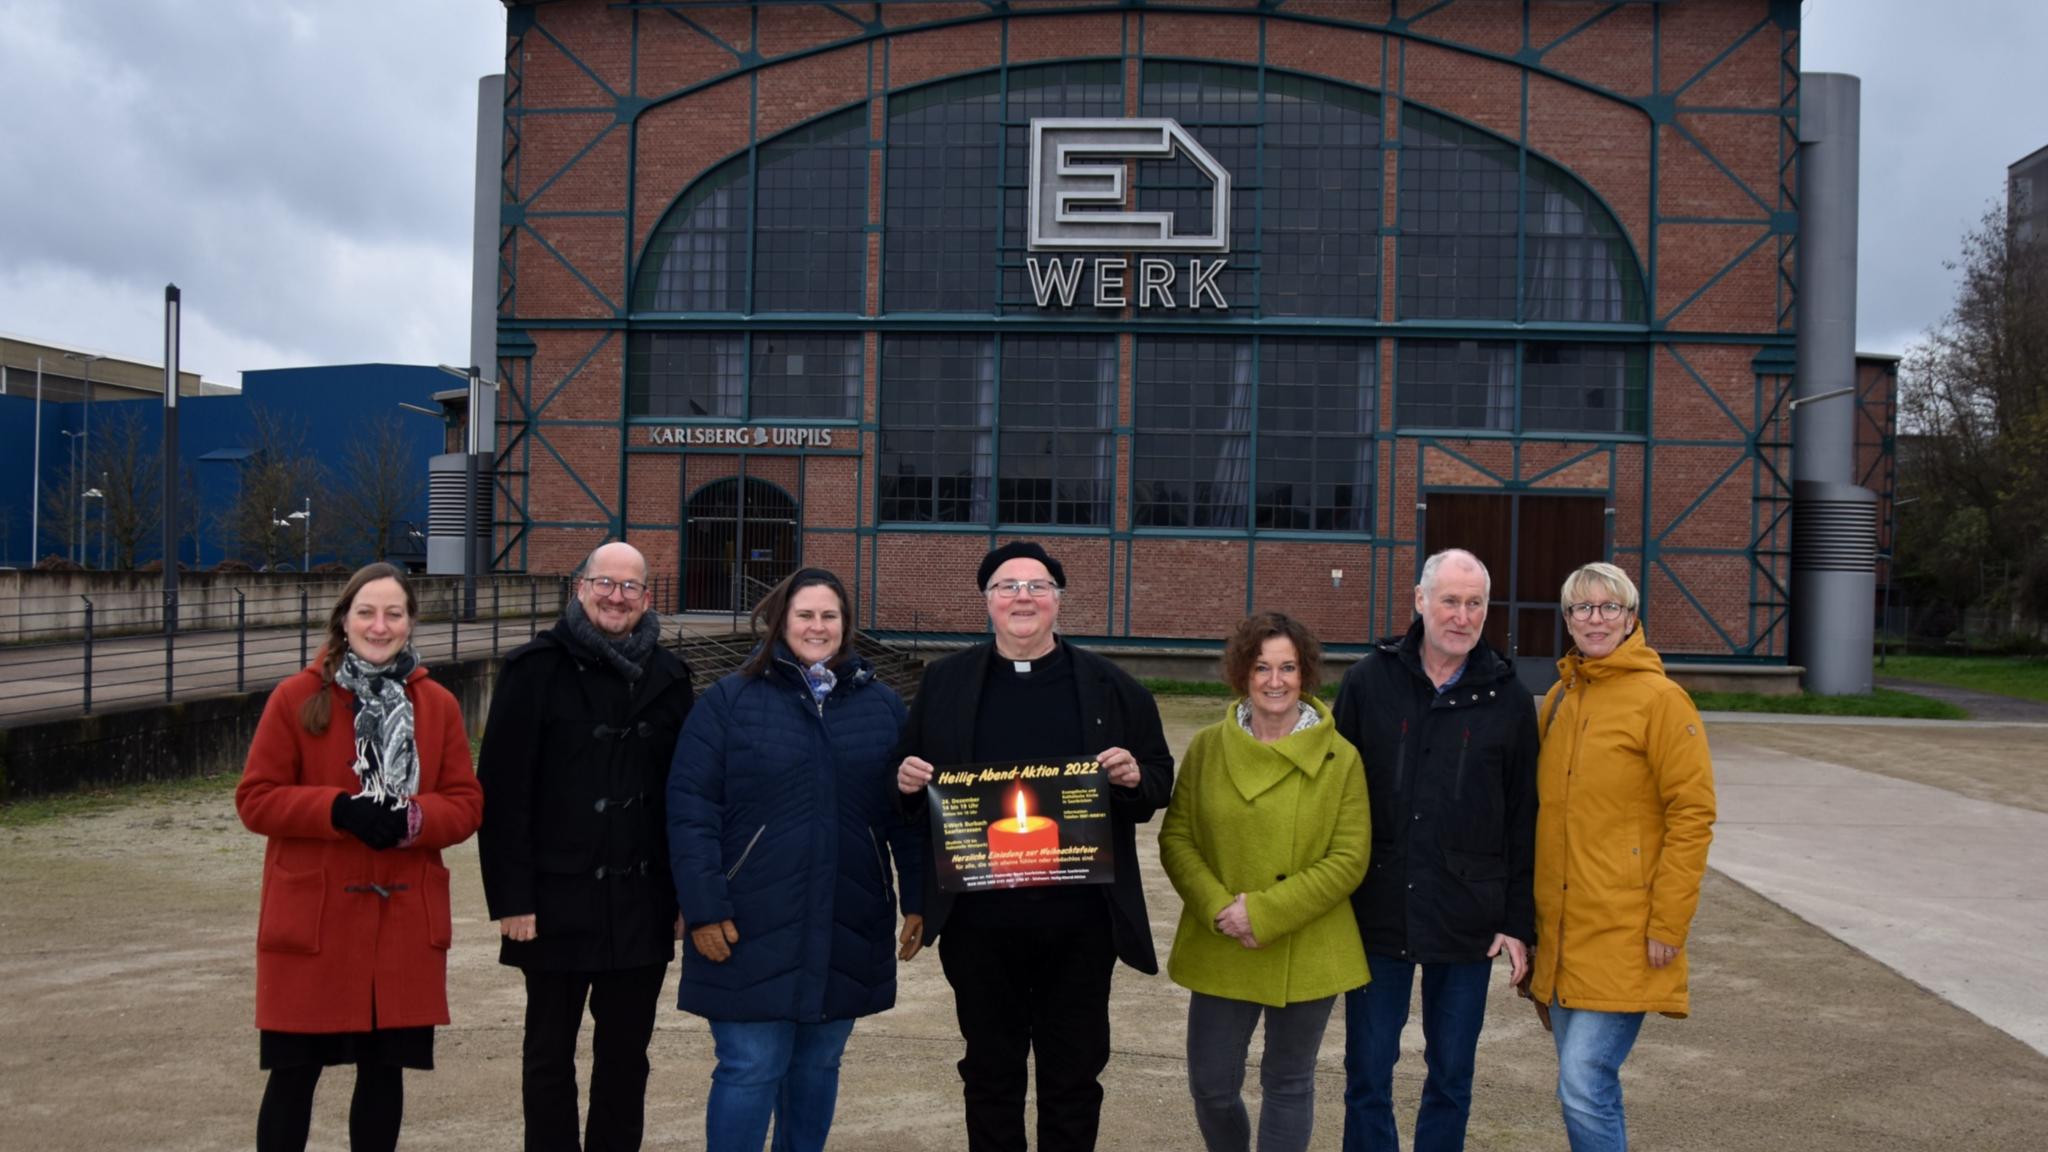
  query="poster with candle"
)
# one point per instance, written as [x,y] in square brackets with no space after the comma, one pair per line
[1021,825]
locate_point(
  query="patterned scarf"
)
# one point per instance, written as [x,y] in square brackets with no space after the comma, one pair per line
[626,654]
[387,760]
[821,680]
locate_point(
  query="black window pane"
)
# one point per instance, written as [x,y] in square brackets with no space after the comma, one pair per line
[1456,255]
[1578,264]
[937,421]
[806,376]
[697,261]
[1316,423]
[811,209]
[1191,456]
[1456,384]
[1059,403]
[686,374]
[1583,388]
[1321,200]
[939,231]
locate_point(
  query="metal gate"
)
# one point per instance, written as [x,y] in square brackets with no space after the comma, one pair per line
[739,540]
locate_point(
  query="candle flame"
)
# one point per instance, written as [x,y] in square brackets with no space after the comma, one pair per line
[1020,810]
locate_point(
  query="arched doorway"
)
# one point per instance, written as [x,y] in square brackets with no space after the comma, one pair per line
[739,540]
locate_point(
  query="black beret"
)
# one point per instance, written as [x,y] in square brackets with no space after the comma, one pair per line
[1014,550]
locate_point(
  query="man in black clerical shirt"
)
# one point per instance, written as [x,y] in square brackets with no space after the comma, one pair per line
[1030,967]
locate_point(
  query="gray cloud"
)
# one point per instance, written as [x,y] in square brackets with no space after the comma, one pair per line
[1951,95]
[302,171]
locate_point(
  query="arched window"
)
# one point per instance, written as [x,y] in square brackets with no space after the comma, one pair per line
[958,158]
[697,260]
[1489,233]
[801,202]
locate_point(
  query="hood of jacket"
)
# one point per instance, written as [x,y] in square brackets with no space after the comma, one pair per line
[1255,766]
[1632,655]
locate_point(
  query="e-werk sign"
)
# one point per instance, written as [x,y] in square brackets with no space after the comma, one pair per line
[740,436]
[1079,202]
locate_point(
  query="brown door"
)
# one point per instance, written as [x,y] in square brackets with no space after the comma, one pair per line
[1482,523]
[1530,543]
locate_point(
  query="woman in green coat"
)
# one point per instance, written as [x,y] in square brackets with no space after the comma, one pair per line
[1267,834]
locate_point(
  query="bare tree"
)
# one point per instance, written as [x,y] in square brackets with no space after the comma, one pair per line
[131,481]
[1974,402]
[382,481]
[62,512]
[278,475]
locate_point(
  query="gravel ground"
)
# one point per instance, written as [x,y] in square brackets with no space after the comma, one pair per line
[126,968]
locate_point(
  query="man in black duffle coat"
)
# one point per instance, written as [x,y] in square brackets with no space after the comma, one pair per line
[574,846]
[1448,736]
[1030,967]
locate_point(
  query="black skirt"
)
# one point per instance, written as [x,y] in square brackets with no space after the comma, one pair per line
[390,1047]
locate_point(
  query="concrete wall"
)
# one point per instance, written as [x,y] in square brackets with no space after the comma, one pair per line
[188,738]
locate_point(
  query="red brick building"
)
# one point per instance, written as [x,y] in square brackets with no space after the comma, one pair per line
[789,282]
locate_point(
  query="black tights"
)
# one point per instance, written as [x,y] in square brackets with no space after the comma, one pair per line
[373,1112]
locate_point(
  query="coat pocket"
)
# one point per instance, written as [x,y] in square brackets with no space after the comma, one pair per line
[440,920]
[293,904]
[733,872]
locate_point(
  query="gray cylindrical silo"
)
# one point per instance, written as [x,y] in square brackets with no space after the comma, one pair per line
[1834,521]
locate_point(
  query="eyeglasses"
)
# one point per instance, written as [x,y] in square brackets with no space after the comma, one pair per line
[1607,611]
[1011,589]
[627,589]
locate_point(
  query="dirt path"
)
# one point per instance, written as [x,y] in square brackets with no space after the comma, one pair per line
[125,999]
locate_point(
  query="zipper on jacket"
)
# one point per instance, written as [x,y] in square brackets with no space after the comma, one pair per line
[745,852]
[816,700]
[1401,761]
[1458,781]
[882,866]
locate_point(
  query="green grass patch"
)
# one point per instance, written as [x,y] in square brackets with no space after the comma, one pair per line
[1213,688]
[2024,677]
[1187,688]
[1883,702]
[95,801]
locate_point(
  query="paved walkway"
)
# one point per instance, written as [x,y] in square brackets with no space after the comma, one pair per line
[1980,705]
[1950,892]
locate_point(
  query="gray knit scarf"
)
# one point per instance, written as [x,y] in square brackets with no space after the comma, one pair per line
[387,758]
[626,654]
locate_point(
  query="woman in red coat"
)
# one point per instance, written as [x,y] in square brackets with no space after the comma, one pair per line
[359,775]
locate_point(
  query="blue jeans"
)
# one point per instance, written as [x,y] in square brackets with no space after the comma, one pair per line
[1453,1010]
[773,1068]
[1590,1049]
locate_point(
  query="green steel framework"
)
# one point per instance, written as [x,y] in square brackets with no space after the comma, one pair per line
[1763,443]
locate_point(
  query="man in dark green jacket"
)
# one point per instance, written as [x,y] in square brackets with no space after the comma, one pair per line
[1448,735]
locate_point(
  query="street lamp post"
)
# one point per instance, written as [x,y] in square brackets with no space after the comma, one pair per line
[100,495]
[306,515]
[84,449]
[73,442]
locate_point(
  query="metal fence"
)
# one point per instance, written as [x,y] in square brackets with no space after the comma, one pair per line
[113,650]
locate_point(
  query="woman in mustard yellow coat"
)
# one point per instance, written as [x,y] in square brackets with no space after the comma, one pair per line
[1625,792]
[1267,835]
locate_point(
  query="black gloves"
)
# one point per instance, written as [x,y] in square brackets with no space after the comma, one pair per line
[367,820]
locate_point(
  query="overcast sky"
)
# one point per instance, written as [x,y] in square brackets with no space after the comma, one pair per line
[303,169]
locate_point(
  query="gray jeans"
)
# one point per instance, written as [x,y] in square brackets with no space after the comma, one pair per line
[1219,1036]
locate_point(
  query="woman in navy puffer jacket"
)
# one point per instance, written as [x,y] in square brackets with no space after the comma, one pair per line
[782,817]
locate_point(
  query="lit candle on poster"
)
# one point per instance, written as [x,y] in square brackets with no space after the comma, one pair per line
[1023,843]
